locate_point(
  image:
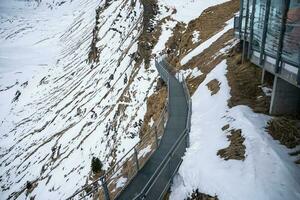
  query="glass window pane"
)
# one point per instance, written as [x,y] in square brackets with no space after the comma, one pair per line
[260,9]
[291,44]
[274,27]
[244,19]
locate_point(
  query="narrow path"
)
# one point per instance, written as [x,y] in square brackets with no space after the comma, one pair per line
[153,180]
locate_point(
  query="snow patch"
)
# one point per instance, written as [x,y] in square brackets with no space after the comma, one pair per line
[267,91]
[144,151]
[151,122]
[167,30]
[192,73]
[121,182]
[196,37]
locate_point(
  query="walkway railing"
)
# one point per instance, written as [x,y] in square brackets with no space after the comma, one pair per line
[115,180]
[107,187]
[165,172]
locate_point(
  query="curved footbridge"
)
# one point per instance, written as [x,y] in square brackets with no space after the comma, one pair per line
[152,180]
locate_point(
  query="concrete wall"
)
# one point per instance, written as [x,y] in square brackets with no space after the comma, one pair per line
[285,98]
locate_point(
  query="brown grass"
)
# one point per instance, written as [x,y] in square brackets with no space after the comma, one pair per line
[208,23]
[236,148]
[245,81]
[213,86]
[285,130]
[155,105]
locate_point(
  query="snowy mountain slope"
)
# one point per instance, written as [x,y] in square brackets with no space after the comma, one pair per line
[58,109]
[71,89]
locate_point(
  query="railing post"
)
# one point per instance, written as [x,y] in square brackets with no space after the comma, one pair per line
[285,9]
[105,188]
[169,91]
[156,137]
[298,75]
[188,129]
[241,18]
[190,121]
[136,159]
[245,31]
[187,139]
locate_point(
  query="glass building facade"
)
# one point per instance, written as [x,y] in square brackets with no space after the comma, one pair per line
[272,29]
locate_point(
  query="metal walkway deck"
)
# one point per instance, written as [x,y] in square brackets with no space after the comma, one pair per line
[153,180]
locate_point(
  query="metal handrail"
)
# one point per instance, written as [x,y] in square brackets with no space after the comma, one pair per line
[160,119]
[161,165]
[109,173]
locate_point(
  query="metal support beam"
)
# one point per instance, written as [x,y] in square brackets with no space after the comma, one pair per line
[245,31]
[264,35]
[241,18]
[285,8]
[105,188]
[187,140]
[251,29]
[262,81]
[285,98]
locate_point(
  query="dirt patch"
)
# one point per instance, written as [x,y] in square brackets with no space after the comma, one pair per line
[208,23]
[93,55]
[213,86]
[175,45]
[225,127]
[236,148]
[149,36]
[286,130]
[208,60]
[155,105]
[213,18]
[245,82]
[196,195]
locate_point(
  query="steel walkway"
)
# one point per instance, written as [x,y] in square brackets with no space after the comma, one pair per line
[151,178]
[154,179]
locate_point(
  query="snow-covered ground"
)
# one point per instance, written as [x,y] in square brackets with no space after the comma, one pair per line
[267,173]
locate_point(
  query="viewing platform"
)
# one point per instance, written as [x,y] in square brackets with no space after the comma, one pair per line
[269,31]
